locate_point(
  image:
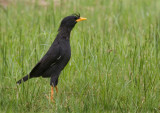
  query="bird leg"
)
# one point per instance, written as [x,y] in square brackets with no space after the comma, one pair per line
[52,93]
[56,89]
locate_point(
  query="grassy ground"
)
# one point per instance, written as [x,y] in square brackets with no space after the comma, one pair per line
[115,63]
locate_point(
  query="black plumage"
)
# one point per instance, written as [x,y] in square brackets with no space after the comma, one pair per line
[58,55]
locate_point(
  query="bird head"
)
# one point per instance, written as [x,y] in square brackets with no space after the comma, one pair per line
[70,21]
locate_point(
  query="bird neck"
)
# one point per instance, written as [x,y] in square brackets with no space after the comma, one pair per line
[64,32]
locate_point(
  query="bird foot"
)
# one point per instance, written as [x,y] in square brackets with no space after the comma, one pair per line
[52,100]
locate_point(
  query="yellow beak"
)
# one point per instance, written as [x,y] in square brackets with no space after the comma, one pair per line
[81,19]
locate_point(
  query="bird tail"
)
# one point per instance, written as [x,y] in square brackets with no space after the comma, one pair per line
[25,78]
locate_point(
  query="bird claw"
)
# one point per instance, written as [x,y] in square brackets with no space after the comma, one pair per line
[50,99]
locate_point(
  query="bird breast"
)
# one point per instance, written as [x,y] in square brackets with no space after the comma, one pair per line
[65,52]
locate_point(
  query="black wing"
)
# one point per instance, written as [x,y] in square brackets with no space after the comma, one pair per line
[49,58]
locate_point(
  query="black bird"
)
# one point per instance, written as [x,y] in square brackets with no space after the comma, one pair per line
[58,55]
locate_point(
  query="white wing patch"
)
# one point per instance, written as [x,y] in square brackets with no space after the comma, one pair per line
[58,57]
[54,62]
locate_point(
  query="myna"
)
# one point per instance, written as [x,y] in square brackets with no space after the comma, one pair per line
[58,55]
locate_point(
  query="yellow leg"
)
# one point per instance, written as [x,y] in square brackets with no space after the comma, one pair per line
[52,93]
[56,89]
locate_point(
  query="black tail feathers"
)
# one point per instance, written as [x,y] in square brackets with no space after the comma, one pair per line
[23,79]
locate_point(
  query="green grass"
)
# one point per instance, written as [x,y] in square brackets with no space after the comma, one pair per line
[115,63]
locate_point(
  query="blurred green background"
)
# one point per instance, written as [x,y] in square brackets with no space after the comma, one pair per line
[115,63]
